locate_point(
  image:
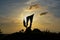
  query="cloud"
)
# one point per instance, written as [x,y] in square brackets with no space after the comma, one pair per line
[7,6]
[43,13]
[31,2]
[53,5]
[35,6]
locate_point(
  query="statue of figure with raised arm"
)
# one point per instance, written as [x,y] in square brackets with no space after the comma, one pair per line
[25,22]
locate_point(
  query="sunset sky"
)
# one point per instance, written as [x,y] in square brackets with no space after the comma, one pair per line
[12,13]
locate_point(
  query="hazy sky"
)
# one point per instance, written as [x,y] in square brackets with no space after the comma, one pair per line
[12,13]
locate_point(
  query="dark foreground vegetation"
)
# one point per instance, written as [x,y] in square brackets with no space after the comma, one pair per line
[31,35]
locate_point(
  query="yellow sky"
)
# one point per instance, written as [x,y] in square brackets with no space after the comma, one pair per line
[44,22]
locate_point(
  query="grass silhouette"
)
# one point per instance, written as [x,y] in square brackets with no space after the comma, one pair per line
[31,35]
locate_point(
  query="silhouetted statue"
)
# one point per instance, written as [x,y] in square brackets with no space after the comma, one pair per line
[26,23]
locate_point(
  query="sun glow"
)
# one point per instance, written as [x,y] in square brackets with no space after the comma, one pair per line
[29,11]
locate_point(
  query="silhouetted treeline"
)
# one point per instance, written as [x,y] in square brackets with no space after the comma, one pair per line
[31,35]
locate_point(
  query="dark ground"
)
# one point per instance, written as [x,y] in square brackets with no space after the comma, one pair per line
[31,35]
